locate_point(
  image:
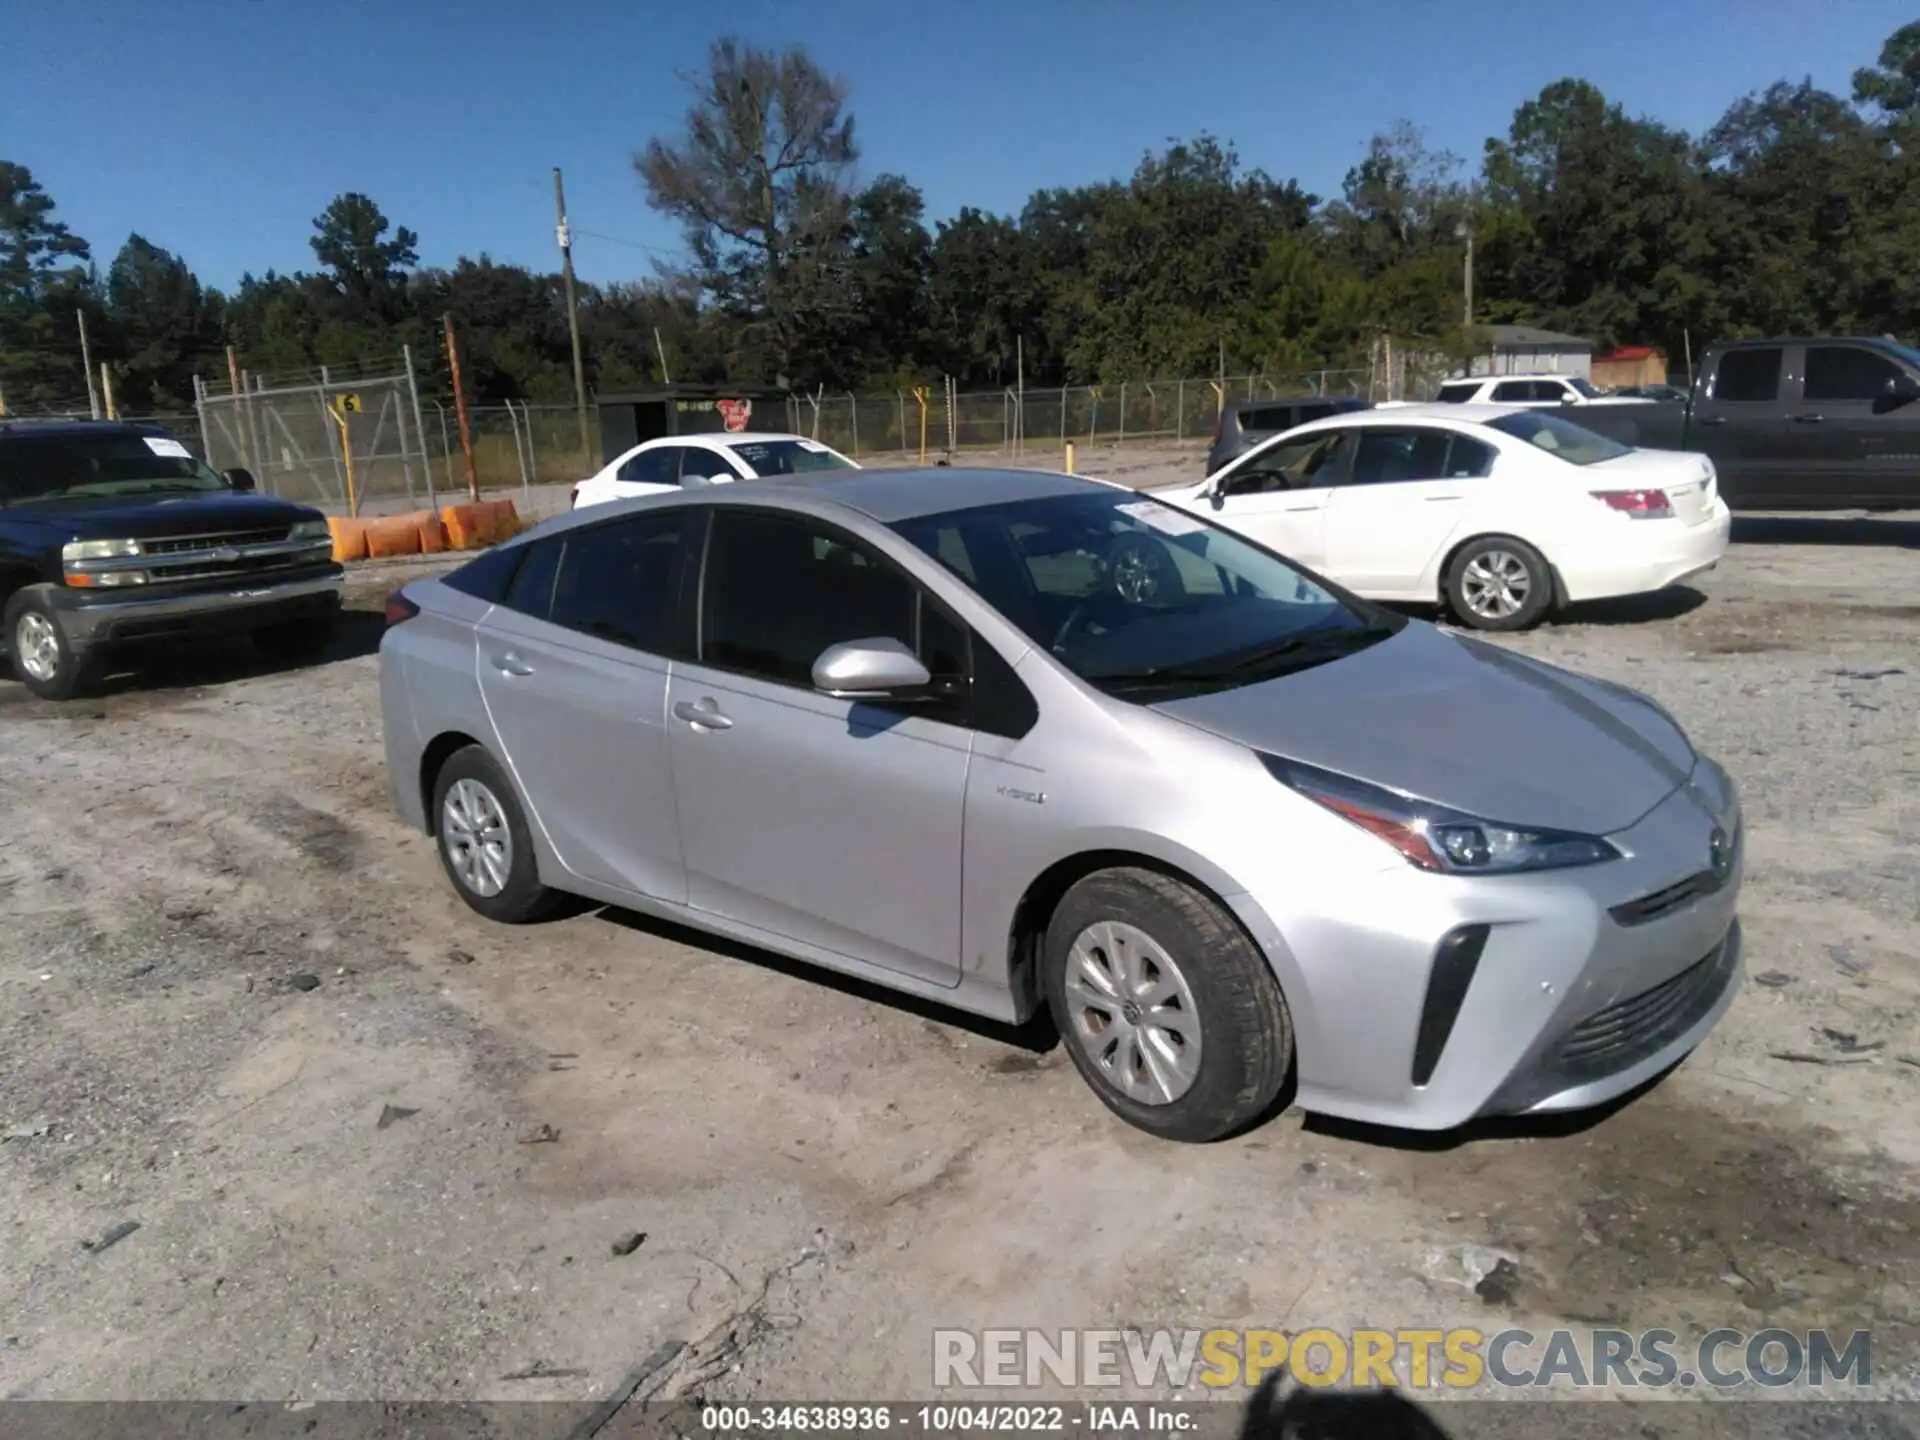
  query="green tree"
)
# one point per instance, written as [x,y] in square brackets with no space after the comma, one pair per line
[162,326]
[1893,84]
[1607,229]
[758,181]
[44,281]
[1171,259]
[982,299]
[1796,171]
[366,268]
[890,257]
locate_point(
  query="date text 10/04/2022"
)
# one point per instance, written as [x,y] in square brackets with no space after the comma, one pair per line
[942,1419]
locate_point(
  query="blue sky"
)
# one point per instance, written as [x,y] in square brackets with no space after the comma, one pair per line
[220,128]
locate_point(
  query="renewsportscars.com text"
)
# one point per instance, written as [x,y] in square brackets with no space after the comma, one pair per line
[1458,1358]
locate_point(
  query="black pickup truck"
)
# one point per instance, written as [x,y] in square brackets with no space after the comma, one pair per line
[114,535]
[1827,424]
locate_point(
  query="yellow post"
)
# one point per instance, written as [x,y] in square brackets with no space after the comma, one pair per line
[106,388]
[1070,457]
[343,406]
[920,393]
[346,450]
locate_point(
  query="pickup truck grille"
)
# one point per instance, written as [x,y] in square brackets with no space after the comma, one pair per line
[230,555]
[177,544]
[241,555]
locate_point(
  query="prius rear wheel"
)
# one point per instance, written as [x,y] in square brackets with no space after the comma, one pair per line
[485,843]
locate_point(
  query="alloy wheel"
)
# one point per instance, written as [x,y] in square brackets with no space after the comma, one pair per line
[37,644]
[1495,584]
[478,840]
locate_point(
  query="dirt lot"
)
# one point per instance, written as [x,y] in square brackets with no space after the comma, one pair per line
[342,1190]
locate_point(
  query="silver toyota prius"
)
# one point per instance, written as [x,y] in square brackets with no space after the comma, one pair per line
[1014,739]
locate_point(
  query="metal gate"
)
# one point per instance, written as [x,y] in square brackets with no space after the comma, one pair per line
[333,442]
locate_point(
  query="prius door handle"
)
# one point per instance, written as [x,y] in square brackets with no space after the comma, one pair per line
[706,715]
[1808,419]
[508,663]
[1440,499]
[1298,509]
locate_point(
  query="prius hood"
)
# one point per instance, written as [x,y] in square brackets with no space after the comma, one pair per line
[1465,724]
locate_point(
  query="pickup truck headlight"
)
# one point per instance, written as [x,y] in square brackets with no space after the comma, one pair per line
[98,550]
[1434,837]
[310,530]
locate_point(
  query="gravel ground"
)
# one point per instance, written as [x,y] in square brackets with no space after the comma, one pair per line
[377,1149]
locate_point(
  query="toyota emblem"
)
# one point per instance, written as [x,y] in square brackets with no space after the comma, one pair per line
[1720,854]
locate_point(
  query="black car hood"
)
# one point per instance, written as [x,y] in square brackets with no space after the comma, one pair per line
[113,517]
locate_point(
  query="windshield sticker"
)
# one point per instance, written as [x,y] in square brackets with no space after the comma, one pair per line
[1163,518]
[172,449]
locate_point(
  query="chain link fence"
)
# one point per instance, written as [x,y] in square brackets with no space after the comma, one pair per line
[333,442]
[1012,421]
[404,447]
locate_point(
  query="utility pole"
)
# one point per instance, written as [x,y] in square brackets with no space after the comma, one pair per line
[573,312]
[86,363]
[460,410]
[1466,233]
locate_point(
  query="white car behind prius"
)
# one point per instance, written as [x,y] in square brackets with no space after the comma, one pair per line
[1501,515]
[659,467]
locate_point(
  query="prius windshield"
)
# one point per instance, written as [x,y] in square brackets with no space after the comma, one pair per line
[1144,600]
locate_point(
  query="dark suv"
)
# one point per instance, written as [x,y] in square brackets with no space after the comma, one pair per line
[113,535]
[1247,423]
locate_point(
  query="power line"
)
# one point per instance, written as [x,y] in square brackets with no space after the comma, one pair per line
[630,244]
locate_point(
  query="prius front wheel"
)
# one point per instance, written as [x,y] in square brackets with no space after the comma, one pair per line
[1168,1009]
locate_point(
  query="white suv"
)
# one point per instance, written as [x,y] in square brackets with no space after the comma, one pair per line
[1530,390]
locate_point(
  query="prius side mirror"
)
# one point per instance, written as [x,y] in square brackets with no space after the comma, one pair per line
[876,669]
[242,481]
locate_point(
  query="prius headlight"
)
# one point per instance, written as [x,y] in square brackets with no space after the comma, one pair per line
[1434,837]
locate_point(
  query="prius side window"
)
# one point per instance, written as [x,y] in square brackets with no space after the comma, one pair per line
[618,582]
[779,590]
[531,592]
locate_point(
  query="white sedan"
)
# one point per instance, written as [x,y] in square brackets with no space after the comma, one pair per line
[657,467]
[1498,514]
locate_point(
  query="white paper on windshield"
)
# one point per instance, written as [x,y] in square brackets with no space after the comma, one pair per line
[1163,518]
[814,445]
[172,449]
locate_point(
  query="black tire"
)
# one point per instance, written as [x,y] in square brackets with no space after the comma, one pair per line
[1467,594]
[522,898]
[304,639]
[1246,1034]
[73,672]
